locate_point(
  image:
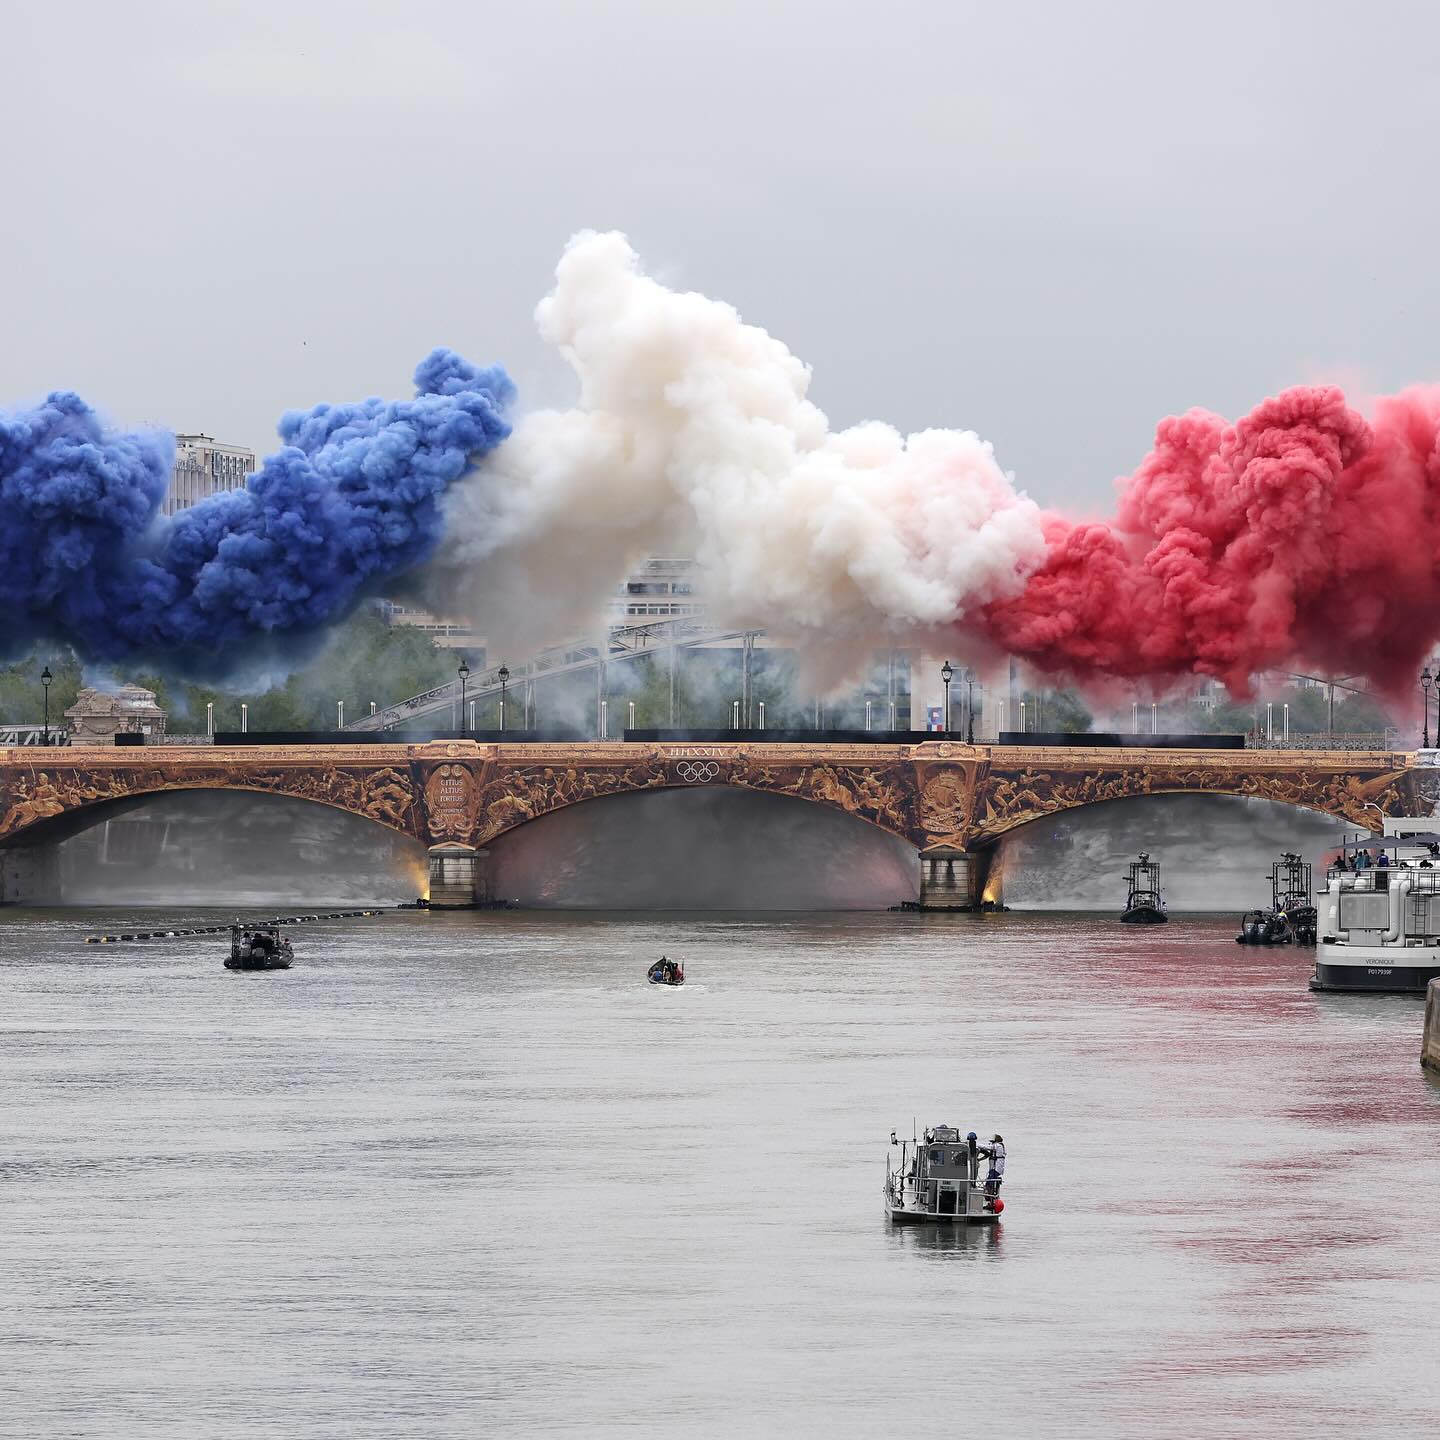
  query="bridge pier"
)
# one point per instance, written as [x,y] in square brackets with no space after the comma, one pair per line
[459,877]
[30,875]
[955,879]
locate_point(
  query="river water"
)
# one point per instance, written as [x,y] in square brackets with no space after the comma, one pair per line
[467,1174]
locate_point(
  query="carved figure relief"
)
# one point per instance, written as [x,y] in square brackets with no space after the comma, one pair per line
[882,795]
[524,793]
[387,796]
[32,800]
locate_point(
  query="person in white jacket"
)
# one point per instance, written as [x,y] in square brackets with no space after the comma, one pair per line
[996,1151]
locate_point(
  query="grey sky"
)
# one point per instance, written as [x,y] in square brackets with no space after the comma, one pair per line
[1050,223]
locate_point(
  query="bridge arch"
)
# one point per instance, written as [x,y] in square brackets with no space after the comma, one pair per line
[1215,850]
[44,803]
[1012,796]
[514,800]
[713,847]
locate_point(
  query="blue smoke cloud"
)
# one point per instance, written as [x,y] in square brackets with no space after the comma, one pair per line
[352,500]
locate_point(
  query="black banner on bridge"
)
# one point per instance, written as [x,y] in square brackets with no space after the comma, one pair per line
[1118,741]
[397,737]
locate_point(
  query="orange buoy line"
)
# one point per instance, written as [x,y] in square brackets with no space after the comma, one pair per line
[224,929]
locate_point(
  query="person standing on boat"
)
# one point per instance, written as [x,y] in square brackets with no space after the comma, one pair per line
[996,1177]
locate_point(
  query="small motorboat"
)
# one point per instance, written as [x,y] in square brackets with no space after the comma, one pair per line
[1291,918]
[259,947]
[939,1181]
[666,972]
[1263,927]
[1143,905]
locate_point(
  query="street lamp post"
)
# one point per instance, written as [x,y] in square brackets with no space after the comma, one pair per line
[464,673]
[1426,680]
[947,674]
[504,676]
[45,678]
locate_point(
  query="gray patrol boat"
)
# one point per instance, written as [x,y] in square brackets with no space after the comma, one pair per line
[945,1179]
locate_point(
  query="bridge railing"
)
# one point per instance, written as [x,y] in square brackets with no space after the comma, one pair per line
[32,735]
[1371,741]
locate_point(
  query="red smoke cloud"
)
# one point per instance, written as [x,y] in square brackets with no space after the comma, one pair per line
[1303,536]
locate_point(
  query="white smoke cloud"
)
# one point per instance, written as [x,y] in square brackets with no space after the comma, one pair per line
[693,436]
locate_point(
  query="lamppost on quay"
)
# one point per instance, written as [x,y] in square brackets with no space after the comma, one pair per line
[464,674]
[45,678]
[947,674]
[1426,680]
[504,676]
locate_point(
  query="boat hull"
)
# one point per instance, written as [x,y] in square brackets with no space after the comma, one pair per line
[1375,979]
[258,964]
[1392,969]
[926,1217]
[1144,915]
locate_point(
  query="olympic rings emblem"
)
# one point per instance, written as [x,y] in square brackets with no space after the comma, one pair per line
[698,772]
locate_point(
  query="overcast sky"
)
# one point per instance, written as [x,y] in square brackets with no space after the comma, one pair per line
[1051,223]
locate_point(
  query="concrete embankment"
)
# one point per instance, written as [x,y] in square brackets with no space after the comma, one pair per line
[1430,1044]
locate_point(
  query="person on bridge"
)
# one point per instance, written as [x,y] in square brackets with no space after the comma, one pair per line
[1383,863]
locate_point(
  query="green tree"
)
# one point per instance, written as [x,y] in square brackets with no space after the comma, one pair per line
[22,695]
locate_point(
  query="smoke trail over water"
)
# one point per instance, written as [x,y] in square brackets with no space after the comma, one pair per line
[352,499]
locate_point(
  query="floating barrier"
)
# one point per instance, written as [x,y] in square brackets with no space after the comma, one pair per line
[225,929]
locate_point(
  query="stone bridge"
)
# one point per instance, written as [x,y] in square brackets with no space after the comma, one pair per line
[952,802]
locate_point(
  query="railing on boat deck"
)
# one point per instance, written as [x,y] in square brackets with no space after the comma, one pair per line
[1421,877]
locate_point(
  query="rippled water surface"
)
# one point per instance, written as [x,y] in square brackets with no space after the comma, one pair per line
[468,1174]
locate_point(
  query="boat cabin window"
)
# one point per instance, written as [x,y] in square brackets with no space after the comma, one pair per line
[937,1156]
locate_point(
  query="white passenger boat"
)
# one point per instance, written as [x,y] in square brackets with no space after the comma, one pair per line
[945,1179]
[1380,917]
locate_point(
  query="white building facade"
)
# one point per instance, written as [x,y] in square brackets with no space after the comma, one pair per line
[204,467]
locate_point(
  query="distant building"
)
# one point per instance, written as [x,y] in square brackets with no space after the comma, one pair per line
[103,714]
[447,633]
[204,467]
[659,589]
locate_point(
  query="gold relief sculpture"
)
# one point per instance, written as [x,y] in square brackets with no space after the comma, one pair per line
[945,802]
[883,794]
[387,796]
[527,792]
[31,800]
